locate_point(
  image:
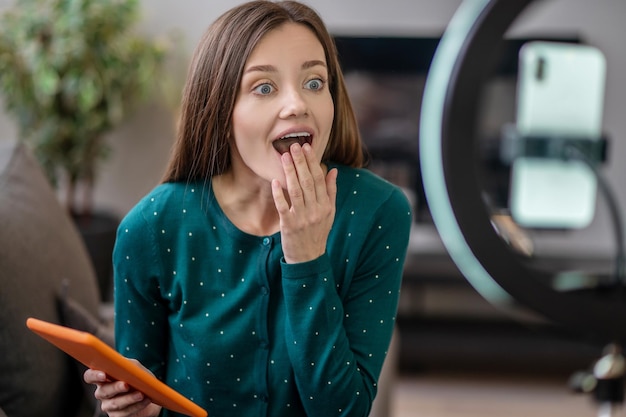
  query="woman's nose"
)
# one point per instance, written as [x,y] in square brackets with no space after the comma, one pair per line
[294,104]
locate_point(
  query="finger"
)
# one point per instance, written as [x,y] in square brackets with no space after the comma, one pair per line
[282,206]
[130,403]
[331,186]
[110,390]
[303,170]
[94,376]
[317,173]
[293,185]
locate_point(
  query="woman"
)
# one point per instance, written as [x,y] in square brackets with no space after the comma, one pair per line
[262,277]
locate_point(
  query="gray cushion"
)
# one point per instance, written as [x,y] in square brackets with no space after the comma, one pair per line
[74,315]
[39,249]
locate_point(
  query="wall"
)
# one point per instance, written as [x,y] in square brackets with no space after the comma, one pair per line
[139,162]
[141,145]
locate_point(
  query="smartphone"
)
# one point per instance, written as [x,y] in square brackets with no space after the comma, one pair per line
[560,93]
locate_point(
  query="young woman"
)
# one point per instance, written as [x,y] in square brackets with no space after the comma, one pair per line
[262,277]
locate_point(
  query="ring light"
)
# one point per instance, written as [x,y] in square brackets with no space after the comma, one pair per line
[448,142]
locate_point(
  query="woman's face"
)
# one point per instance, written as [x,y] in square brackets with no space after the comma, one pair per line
[283,98]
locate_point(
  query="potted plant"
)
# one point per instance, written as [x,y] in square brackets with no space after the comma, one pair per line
[70,72]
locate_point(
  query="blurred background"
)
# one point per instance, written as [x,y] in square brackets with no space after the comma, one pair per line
[447,332]
[141,145]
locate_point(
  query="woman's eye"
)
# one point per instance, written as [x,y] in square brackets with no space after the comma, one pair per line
[314,84]
[264,89]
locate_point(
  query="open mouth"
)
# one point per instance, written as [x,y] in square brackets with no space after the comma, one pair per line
[283,144]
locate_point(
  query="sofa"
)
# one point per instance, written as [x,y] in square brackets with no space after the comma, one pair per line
[46,273]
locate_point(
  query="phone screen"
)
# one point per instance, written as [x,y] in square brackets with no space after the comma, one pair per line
[560,94]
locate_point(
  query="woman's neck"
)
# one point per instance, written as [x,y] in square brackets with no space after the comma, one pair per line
[249,205]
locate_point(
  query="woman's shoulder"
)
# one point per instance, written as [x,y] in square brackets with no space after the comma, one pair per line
[167,198]
[368,188]
[363,178]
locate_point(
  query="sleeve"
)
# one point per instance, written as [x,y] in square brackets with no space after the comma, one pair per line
[337,345]
[140,316]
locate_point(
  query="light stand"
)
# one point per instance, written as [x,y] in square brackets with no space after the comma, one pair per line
[605,382]
[609,371]
[448,135]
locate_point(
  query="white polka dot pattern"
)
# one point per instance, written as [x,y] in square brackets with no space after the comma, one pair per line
[220,317]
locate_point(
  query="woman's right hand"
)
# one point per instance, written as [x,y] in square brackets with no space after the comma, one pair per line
[117,398]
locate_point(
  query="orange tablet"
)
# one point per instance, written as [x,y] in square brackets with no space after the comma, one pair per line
[95,354]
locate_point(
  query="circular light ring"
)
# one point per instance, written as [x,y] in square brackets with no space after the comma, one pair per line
[448,147]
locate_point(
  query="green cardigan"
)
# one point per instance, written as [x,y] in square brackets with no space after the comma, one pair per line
[219,316]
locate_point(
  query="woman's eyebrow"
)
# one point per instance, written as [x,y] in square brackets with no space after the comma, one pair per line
[313,63]
[261,68]
[271,68]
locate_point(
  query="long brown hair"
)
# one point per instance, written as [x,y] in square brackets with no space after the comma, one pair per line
[202,149]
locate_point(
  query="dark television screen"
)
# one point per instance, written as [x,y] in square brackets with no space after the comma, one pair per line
[385,84]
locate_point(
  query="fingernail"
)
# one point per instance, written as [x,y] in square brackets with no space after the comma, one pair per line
[138,396]
[101,376]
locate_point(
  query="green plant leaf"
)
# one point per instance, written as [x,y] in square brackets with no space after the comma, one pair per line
[70,71]
[45,82]
[90,91]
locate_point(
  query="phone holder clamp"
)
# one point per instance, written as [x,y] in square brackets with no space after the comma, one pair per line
[555,146]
